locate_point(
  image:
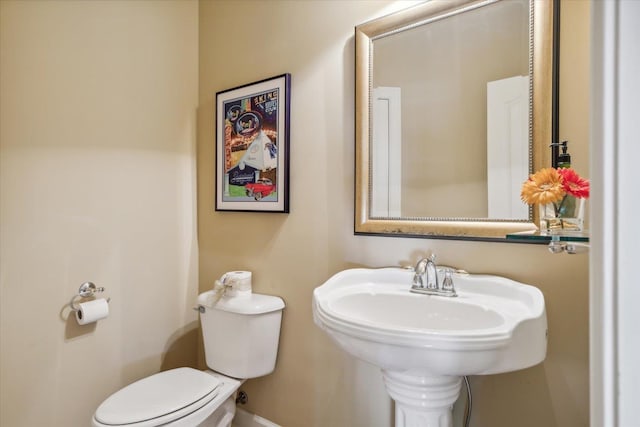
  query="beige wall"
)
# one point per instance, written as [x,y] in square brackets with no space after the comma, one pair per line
[97,111]
[574,81]
[316,384]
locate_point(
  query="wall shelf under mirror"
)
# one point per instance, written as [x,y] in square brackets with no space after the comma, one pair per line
[544,237]
[571,242]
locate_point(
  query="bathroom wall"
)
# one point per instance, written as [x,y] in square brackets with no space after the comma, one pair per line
[97,169]
[315,384]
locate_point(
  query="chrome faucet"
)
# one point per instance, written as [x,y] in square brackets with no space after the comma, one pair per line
[425,271]
[426,281]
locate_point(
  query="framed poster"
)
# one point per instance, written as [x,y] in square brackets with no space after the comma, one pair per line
[252,146]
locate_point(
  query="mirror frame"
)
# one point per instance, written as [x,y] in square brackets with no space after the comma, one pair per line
[543,114]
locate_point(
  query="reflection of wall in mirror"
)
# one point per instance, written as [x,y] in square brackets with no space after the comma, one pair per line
[443,68]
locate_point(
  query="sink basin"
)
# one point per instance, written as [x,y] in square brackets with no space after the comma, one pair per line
[426,343]
[402,310]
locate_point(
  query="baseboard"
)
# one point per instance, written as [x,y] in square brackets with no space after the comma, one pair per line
[247,419]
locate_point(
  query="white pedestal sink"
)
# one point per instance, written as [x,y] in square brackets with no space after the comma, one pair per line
[424,344]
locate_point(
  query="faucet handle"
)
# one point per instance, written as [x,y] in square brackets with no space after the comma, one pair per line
[454,270]
[447,283]
[432,257]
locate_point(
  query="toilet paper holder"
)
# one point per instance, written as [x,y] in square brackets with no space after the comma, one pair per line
[87,289]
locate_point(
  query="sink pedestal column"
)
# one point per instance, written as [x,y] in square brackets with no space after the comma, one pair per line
[422,401]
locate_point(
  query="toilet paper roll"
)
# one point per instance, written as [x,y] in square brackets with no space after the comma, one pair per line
[92,311]
[238,282]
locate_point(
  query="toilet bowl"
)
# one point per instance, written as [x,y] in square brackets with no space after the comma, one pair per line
[240,334]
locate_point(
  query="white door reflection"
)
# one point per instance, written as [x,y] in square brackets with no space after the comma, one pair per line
[386,196]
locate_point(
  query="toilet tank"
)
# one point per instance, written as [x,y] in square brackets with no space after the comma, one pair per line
[241,333]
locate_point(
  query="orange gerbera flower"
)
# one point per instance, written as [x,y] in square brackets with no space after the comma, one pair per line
[544,186]
[574,184]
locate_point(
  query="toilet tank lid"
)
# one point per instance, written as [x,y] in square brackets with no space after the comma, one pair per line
[170,394]
[243,304]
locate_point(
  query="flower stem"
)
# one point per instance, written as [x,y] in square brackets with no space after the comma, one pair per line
[558,209]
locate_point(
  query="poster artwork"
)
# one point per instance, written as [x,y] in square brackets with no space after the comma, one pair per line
[251,147]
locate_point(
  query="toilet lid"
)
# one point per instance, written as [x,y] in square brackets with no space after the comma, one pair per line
[170,394]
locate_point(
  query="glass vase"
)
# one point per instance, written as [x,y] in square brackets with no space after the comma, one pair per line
[562,216]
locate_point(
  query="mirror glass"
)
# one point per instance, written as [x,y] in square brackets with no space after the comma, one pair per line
[453,112]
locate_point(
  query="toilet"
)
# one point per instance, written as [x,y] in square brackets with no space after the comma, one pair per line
[240,335]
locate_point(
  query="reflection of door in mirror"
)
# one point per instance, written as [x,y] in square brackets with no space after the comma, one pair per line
[507,146]
[443,68]
[386,154]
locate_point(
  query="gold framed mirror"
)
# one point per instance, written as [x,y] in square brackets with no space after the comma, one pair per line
[429,132]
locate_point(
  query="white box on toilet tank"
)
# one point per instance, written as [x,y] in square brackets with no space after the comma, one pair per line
[241,334]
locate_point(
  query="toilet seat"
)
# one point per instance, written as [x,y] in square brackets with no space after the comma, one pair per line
[163,398]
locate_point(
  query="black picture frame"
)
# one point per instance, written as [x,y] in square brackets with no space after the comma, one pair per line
[252,146]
